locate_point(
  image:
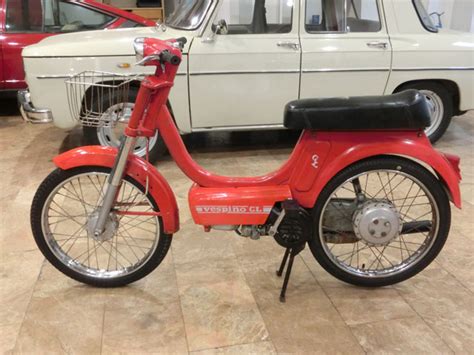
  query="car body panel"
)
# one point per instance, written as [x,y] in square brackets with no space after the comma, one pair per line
[255,64]
[330,57]
[12,43]
[435,50]
[42,85]
[239,82]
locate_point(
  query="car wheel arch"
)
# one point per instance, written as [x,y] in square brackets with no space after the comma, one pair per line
[449,85]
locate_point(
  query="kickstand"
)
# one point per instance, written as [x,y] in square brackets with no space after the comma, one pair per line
[291,253]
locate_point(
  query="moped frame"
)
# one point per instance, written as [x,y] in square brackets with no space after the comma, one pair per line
[316,159]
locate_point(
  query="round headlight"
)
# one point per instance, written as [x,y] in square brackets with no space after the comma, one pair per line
[138,45]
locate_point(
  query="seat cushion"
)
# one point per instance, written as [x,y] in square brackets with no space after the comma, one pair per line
[407,110]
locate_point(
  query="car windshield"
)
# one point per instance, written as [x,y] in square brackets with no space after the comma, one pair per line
[189,14]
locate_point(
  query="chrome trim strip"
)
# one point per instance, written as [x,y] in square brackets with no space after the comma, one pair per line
[433,69]
[239,128]
[42,77]
[290,71]
[85,56]
[329,70]
[79,56]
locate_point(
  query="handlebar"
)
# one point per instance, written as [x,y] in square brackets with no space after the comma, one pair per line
[166,56]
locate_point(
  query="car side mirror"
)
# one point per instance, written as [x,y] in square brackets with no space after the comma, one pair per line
[219,29]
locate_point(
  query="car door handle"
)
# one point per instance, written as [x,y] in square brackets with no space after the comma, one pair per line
[377,44]
[293,45]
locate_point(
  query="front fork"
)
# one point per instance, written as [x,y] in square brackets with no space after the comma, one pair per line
[114,181]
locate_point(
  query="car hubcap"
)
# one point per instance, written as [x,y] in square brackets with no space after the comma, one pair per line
[110,136]
[436,109]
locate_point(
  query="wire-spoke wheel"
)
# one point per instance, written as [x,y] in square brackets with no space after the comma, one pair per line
[63,215]
[380,221]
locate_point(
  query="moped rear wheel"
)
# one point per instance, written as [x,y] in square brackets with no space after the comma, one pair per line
[63,213]
[380,221]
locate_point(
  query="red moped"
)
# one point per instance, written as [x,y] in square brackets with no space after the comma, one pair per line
[363,188]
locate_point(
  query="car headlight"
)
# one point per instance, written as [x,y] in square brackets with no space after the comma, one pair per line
[138,45]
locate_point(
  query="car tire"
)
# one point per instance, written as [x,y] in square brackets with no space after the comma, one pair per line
[441,106]
[107,136]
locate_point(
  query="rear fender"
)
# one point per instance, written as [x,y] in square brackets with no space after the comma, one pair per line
[137,168]
[410,145]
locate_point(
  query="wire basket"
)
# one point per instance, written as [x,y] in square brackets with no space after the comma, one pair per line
[99,99]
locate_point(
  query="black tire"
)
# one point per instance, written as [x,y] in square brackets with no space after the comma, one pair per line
[91,134]
[40,198]
[446,98]
[406,166]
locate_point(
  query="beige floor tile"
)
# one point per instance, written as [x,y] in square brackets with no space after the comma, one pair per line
[435,292]
[69,321]
[462,221]
[307,321]
[307,324]
[260,348]
[404,336]
[60,310]
[456,258]
[324,278]
[456,329]
[159,287]
[18,275]
[218,307]
[359,305]
[192,244]
[8,336]
[143,326]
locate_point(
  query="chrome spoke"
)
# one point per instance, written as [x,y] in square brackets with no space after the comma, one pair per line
[406,195]
[127,242]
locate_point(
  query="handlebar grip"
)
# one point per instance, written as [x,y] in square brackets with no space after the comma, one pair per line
[166,56]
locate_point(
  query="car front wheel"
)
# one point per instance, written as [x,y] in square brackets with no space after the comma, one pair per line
[110,136]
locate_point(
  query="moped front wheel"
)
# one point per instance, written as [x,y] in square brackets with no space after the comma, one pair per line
[63,215]
[380,221]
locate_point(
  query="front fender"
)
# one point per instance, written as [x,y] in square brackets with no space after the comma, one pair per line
[137,168]
[360,146]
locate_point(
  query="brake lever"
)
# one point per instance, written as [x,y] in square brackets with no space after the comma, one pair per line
[148,59]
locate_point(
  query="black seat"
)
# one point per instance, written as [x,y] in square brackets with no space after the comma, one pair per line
[407,110]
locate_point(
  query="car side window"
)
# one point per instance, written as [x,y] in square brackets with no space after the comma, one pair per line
[255,16]
[342,16]
[61,16]
[23,16]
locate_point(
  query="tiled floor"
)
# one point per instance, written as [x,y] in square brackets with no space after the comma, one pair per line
[216,292]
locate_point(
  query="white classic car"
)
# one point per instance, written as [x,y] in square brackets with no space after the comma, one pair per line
[244,60]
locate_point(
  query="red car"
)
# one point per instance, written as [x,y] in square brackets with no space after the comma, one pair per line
[25,22]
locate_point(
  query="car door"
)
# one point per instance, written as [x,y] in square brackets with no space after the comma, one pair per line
[29,21]
[23,24]
[2,39]
[243,76]
[346,48]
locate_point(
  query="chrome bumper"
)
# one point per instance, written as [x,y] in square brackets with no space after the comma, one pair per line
[29,112]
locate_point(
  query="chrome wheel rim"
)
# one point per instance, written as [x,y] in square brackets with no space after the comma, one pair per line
[110,135]
[414,203]
[436,109]
[66,218]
